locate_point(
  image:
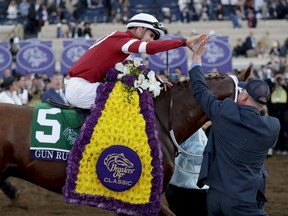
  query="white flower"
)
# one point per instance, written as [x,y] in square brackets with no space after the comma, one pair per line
[126,70]
[151,76]
[137,62]
[123,70]
[155,88]
[138,82]
[119,67]
[143,82]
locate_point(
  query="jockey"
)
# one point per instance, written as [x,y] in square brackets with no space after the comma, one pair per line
[141,36]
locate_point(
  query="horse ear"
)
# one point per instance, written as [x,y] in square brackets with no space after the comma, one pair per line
[244,75]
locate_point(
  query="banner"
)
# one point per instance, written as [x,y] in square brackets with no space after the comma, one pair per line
[5,57]
[218,55]
[73,50]
[169,59]
[35,56]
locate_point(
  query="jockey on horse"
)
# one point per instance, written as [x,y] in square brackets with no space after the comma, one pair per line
[141,36]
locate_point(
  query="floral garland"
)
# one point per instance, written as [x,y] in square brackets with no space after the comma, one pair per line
[150,206]
[135,76]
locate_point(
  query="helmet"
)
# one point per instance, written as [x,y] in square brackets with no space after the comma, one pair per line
[148,21]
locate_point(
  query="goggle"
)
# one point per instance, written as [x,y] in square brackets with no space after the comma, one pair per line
[156,25]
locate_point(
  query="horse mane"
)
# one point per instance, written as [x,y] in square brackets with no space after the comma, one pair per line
[184,83]
[211,75]
[216,75]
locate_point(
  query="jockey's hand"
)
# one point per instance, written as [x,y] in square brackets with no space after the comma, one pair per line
[166,85]
[191,42]
[201,46]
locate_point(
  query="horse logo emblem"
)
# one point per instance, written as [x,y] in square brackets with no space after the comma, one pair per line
[74,53]
[118,168]
[35,56]
[118,164]
[70,135]
[5,58]
[218,55]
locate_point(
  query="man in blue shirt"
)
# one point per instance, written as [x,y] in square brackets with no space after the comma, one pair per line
[238,143]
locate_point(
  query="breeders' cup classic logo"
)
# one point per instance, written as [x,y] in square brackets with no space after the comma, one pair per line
[70,135]
[119,165]
[175,58]
[218,55]
[5,58]
[118,168]
[215,52]
[37,58]
[71,53]
[34,56]
[172,55]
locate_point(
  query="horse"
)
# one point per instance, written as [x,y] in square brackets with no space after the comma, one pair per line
[176,110]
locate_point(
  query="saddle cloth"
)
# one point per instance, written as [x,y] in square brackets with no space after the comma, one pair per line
[53,132]
[116,162]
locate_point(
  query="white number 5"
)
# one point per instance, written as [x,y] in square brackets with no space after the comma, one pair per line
[41,119]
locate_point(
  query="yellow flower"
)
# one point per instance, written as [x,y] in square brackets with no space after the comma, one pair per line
[121,123]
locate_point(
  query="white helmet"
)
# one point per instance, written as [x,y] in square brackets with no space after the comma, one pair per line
[148,21]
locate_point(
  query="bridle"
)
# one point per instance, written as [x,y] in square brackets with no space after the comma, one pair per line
[237,88]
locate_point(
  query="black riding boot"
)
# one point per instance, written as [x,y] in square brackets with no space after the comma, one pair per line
[8,189]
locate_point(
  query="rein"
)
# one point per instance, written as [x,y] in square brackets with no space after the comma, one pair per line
[171,132]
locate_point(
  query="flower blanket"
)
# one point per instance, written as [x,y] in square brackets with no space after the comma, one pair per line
[116,162]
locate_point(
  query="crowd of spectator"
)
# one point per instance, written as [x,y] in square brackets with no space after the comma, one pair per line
[39,11]
[31,88]
[262,47]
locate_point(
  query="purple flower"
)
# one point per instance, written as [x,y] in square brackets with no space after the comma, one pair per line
[129,80]
[112,74]
[127,61]
[144,69]
[147,110]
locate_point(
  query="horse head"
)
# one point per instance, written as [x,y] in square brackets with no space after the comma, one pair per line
[177,109]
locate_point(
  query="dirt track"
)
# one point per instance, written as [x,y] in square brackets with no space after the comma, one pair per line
[36,201]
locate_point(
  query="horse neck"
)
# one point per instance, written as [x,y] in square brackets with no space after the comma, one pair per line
[178,110]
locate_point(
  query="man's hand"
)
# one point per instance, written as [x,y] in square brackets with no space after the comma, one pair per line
[191,42]
[201,46]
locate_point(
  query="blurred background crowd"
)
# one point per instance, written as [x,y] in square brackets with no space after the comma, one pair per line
[35,13]
[55,11]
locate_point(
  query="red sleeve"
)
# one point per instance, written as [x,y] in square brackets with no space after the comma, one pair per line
[153,47]
[162,45]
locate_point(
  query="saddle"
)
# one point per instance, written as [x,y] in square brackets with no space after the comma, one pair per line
[82,113]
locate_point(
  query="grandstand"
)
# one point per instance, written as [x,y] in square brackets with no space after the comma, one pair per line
[101,18]
[278,31]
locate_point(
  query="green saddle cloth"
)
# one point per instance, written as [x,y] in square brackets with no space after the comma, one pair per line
[54,131]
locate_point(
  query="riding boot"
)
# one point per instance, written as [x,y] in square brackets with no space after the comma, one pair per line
[8,189]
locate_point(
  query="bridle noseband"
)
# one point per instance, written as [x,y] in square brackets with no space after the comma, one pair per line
[237,88]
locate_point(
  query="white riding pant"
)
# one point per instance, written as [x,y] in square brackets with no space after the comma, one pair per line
[80,92]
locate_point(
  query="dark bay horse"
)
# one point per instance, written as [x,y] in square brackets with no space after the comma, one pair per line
[175,109]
